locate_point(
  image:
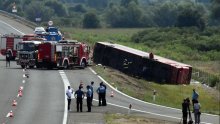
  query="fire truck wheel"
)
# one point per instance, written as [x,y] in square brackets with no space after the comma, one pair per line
[22,66]
[83,64]
[65,65]
[31,66]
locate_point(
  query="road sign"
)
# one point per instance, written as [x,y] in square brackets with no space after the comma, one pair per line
[37,19]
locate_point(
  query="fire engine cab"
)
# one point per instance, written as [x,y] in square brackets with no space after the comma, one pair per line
[63,54]
[9,43]
[27,53]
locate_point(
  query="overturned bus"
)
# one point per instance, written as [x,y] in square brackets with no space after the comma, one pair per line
[141,64]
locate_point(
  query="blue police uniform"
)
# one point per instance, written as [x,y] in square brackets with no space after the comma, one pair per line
[102,94]
[79,95]
[89,95]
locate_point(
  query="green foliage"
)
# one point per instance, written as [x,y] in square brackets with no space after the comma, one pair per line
[125,3]
[36,9]
[58,8]
[165,15]
[78,8]
[179,43]
[123,13]
[99,4]
[129,16]
[91,20]
[191,15]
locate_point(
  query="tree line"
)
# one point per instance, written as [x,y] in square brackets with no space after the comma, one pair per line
[120,13]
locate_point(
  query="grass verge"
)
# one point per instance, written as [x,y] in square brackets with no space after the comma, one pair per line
[132,119]
[167,95]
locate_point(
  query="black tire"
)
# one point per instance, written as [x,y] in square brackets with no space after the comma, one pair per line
[65,65]
[31,66]
[22,66]
[83,64]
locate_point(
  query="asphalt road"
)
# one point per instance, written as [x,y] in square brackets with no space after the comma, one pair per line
[43,98]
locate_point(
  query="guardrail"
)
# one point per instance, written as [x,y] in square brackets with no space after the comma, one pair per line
[19,19]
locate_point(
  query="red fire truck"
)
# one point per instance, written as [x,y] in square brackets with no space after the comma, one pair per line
[63,54]
[9,43]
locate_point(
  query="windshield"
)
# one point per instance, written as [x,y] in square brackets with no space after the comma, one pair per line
[26,47]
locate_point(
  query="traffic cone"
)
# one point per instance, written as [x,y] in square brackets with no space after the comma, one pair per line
[14,103]
[20,94]
[20,88]
[10,114]
[112,94]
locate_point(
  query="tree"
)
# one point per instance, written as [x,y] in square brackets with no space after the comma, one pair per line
[78,8]
[98,4]
[191,15]
[165,15]
[215,11]
[58,8]
[130,16]
[91,20]
[125,3]
[37,9]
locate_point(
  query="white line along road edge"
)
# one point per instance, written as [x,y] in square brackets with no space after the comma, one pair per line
[12,27]
[66,84]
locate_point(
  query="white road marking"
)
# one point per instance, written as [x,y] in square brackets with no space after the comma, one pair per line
[12,27]
[66,84]
[143,101]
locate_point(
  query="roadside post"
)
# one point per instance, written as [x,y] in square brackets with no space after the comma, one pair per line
[129,110]
[154,95]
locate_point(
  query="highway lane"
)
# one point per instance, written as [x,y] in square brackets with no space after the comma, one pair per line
[43,94]
[8,25]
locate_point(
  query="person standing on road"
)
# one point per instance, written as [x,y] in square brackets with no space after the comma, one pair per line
[104,97]
[195,97]
[8,58]
[91,87]
[69,93]
[197,111]
[79,95]
[101,92]
[185,109]
[89,96]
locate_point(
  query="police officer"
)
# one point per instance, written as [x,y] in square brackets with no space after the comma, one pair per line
[69,93]
[8,57]
[185,109]
[101,92]
[91,87]
[79,95]
[88,95]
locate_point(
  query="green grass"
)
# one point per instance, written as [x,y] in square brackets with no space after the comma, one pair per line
[94,35]
[168,95]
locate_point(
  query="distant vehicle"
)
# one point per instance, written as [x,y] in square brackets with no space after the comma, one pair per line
[141,64]
[9,43]
[52,34]
[27,52]
[63,54]
[39,30]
